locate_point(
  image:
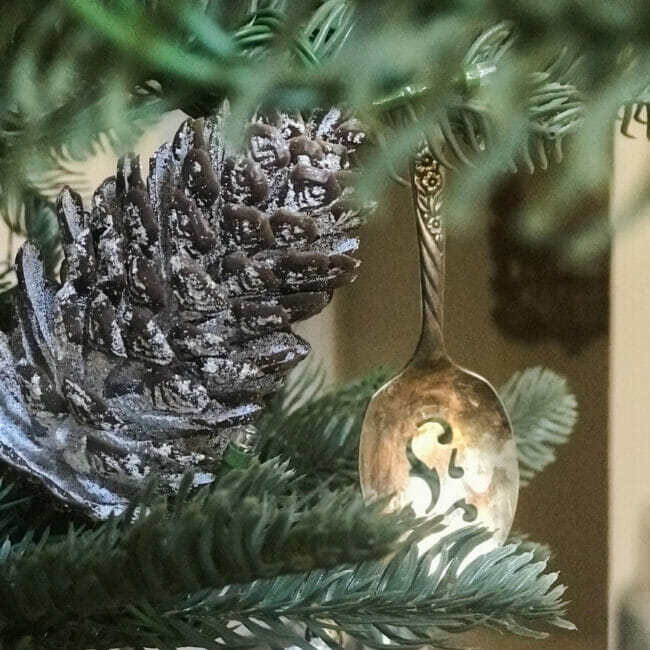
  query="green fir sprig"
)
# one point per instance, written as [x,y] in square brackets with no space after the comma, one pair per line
[318,432]
[267,552]
[407,602]
[495,87]
[543,412]
[250,524]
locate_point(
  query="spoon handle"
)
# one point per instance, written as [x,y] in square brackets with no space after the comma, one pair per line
[427,181]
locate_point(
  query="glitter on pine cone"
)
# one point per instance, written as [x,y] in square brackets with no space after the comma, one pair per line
[173,315]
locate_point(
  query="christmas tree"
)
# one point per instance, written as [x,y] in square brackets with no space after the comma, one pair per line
[138,505]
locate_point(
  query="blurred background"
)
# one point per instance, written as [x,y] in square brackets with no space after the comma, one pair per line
[588,506]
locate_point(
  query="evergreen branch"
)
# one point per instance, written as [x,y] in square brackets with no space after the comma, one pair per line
[597,25]
[465,130]
[407,602]
[319,437]
[251,524]
[77,75]
[36,156]
[155,49]
[330,27]
[96,127]
[543,413]
[160,44]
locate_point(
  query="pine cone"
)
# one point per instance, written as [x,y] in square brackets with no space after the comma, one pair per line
[172,317]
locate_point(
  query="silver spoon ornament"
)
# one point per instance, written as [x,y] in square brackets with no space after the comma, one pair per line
[437,436]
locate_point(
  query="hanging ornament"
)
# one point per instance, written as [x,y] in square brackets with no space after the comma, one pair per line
[172,317]
[437,436]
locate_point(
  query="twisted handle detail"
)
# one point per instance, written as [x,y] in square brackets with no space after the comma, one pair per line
[427,182]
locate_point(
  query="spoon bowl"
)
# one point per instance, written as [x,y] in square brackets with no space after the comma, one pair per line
[444,419]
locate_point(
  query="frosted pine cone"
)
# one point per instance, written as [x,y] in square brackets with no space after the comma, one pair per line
[172,318]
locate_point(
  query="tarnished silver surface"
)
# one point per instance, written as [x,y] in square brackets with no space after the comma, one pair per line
[437,436]
[171,319]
